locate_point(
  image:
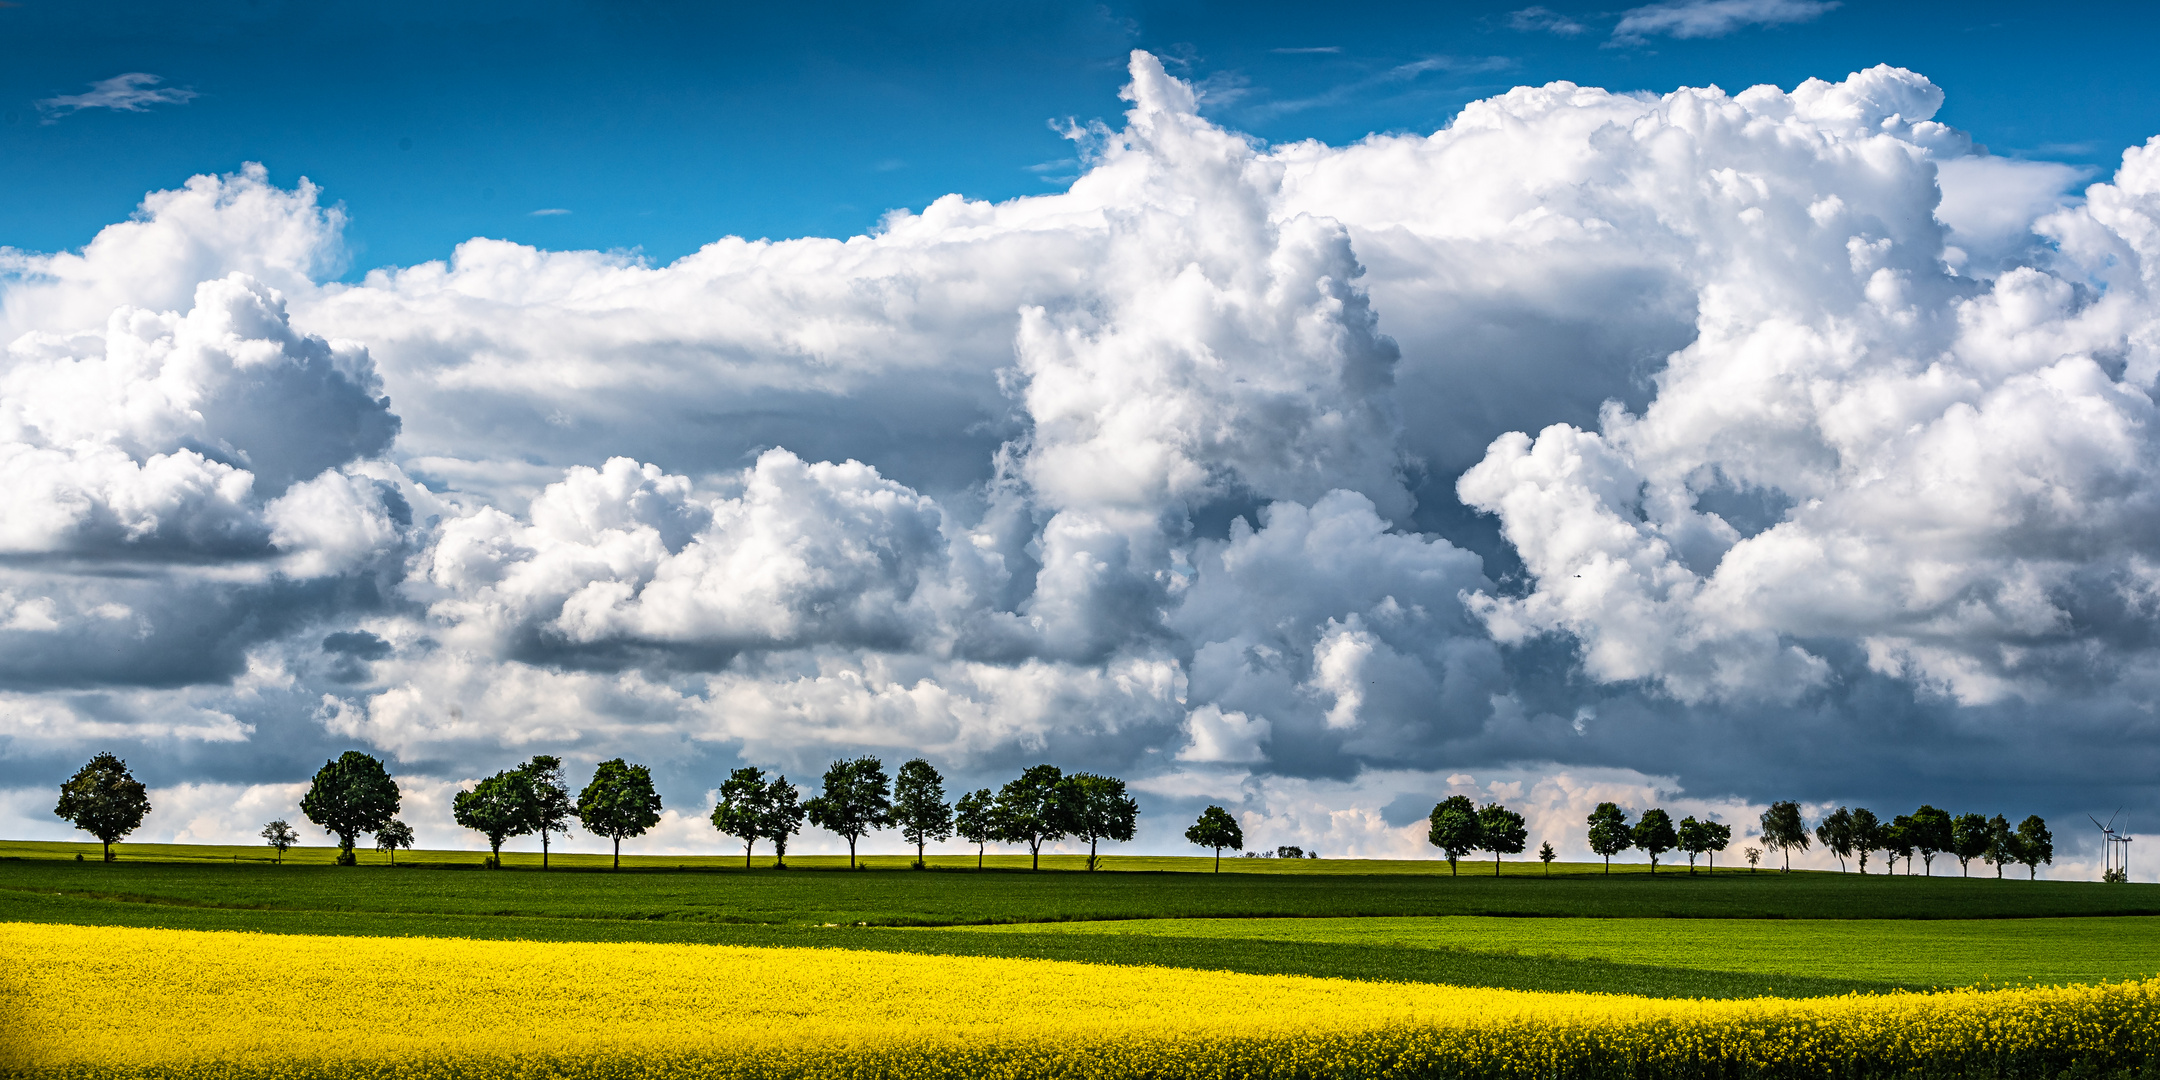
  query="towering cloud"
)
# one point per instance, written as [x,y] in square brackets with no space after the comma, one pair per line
[1595,446]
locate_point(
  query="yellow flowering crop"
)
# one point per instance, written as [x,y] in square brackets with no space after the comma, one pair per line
[90,1003]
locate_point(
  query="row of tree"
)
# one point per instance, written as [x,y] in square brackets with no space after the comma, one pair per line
[354,794]
[1654,834]
[1042,805]
[1925,833]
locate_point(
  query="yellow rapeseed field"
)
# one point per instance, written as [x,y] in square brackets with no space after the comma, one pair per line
[78,1002]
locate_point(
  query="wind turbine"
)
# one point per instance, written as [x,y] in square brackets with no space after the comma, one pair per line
[2115,848]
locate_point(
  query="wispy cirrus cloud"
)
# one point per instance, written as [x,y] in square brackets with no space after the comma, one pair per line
[1713,18]
[134,91]
[1384,81]
[1546,20]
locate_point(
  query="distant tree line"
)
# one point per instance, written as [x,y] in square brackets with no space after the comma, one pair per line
[1846,833]
[1924,833]
[1654,835]
[354,794]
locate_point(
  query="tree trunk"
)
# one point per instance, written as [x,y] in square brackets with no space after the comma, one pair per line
[1034,854]
[1218,860]
[979,855]
[618,853]
[747,844]
[1091,854]
[1496,864]
[851,853]
[919,856]
[543,849]
[108,851]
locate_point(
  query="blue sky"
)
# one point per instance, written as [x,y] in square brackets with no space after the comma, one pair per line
[661,126]
[1664,446]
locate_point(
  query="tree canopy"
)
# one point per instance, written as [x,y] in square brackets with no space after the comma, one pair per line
[1609,834]
[1898,841]
[857,798]
[1095,809]
[105,800]
[619,802]
[393,835]
[1030,810]
[1696,838]
[2002,844]
[783,817]
[1783,831]
[1835,833]
[1867,834]
[2034,845]
[745,801]
[498,808]
[1932,833]
[551,809]
[1969,839]
[1501,831]
[280,836]
[975,819]
[352,794]
[1216,829]
[1454,829]
[1654,835]
[919,807]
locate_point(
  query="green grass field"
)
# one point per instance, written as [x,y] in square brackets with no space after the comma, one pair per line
[1734,934]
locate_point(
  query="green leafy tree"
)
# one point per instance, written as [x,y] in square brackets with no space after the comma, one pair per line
[351,795]
[1969,839]
[280,836]
[742,808]
[1753,855]
[105,800]
[856,800]
[1654,835]
[1932,833]
[1217,829]
[1898,842]
[1689,839]
[1782,830]
[1454,829]
[1835,833]
[1030,810]
[393,835]
[1609,835]
[2034,845]
[619,802]
[1716,834]
[1096,808]
[1867,834]
[783,817]
[551,809]
[1545,854]
[975,819]
[919,807]
[2001,846]
[498,808]
[1501,831]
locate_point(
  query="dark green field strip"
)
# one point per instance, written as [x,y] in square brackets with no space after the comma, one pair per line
[1942,952]
[1457,967]
[956,897]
